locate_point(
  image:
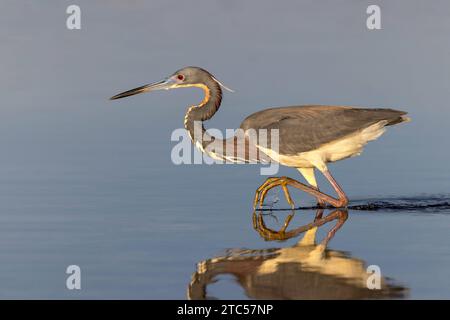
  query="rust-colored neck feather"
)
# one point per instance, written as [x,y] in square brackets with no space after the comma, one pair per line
[205,110]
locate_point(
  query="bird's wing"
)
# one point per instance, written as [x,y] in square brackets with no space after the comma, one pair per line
[305,128]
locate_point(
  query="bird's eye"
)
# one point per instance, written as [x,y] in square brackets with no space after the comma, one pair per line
[180,77]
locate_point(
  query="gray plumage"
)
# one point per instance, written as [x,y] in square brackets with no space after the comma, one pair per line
[306,128]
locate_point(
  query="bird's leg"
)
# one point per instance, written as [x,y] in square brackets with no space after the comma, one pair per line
[285,181]
[264,185]
[320,202]
[268,180]
[342,200]
[288,196]
[310,177]
[270,183]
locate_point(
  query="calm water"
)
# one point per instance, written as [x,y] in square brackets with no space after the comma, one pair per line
[90,182]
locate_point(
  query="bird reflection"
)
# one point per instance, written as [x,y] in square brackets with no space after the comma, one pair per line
[306,270]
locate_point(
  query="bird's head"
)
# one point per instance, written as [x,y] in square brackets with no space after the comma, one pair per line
[186,77]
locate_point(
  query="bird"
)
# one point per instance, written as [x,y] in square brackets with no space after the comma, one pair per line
[309,137]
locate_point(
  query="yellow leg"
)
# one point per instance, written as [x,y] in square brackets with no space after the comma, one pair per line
[273,183]
[341,201]
[261,187]
[310,177]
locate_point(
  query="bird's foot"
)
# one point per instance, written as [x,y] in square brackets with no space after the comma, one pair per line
[322,198]
[271,183]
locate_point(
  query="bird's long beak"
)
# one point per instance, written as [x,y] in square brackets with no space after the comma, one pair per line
[164,84]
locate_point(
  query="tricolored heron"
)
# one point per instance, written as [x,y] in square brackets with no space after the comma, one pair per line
[309,136]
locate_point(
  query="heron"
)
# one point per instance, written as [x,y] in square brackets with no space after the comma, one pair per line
[310,136]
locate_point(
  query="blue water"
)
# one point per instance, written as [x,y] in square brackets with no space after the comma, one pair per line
[89,182]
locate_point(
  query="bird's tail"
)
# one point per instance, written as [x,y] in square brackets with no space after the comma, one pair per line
[400,119]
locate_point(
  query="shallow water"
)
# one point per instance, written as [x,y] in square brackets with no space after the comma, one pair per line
[90,182]
[140,234]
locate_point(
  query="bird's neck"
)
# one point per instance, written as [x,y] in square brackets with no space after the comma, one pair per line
[193,121]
